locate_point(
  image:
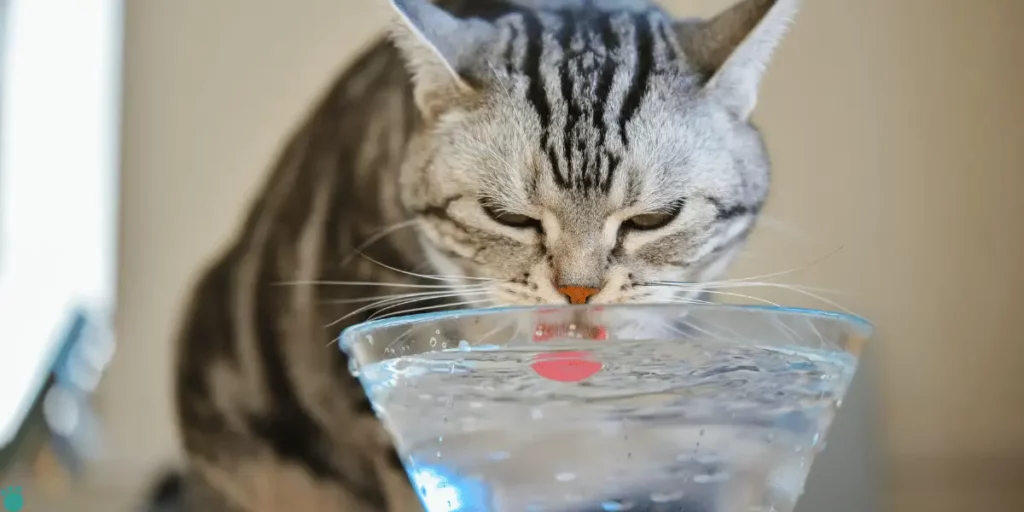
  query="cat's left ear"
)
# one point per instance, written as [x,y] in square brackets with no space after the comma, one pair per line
[733,49]
[437,48]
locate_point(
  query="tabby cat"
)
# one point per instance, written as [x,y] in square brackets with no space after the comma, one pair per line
[564,150]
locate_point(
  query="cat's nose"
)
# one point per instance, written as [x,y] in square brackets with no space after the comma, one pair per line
[578,294]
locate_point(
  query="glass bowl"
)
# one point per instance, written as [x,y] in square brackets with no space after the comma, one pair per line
[697,408]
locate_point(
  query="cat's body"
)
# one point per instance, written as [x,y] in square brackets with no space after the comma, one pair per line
[588,150]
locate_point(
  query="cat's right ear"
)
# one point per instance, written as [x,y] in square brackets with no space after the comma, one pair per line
[437,48]
[733,49]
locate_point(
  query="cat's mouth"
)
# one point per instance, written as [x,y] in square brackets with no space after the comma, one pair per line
[547,332]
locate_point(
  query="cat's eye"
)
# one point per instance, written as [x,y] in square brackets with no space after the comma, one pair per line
[654,220]
[510,219]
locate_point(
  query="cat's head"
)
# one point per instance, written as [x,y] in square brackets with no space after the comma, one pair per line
[574,154]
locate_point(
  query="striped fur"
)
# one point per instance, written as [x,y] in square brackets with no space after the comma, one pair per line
[572,117]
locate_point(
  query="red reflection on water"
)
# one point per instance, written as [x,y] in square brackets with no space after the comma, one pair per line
[567,366]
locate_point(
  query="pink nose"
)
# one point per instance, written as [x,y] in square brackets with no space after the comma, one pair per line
[578,294]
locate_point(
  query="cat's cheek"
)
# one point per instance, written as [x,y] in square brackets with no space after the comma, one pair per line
[541,281]
[616,285]
[446,256]
[442,264]
[637,244]
[718,268]
[446,241]
[515,297]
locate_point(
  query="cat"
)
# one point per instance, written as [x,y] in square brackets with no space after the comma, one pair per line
[529,151]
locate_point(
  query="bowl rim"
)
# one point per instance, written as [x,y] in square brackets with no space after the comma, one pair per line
[350,333]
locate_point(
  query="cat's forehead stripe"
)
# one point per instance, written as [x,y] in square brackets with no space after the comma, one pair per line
[641,75]
[571,60]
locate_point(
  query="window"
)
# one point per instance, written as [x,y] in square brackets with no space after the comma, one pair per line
[59,111]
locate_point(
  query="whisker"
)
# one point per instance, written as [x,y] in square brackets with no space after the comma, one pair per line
[744,296]
[373,239]
[421,299]
[392,296]
[356,312]
[769,284]
[422,266]
[693,325]
[721,325]
[428,308]
[785,272]
[424,276]
[688,300]
[802,290]
[826,300]
[785,329]
[796,289]
[672,327]
[370,283]
[389,301]
[715,285]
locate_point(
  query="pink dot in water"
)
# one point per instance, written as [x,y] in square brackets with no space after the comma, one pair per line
[566,366]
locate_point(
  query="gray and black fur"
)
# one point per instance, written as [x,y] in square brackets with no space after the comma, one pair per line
[528,145]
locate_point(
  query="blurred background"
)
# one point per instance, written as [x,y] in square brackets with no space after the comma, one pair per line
[133,135]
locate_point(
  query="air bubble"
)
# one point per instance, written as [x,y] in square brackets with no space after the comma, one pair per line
[714,478]
[433,342]
[706,459]
[616,506]
[565,477]
[666,497]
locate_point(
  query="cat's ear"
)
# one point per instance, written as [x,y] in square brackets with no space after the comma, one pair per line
[733,49]
[437,48]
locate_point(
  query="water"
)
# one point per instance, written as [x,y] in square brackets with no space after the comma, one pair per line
[689,426]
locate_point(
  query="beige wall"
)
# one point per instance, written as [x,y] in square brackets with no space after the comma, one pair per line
[896,132]
[894,126]
[211,89]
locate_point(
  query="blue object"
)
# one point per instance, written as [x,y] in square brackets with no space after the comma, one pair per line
[12,499]
[442,490]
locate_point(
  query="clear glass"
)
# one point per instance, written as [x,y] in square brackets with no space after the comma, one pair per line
[631,407]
